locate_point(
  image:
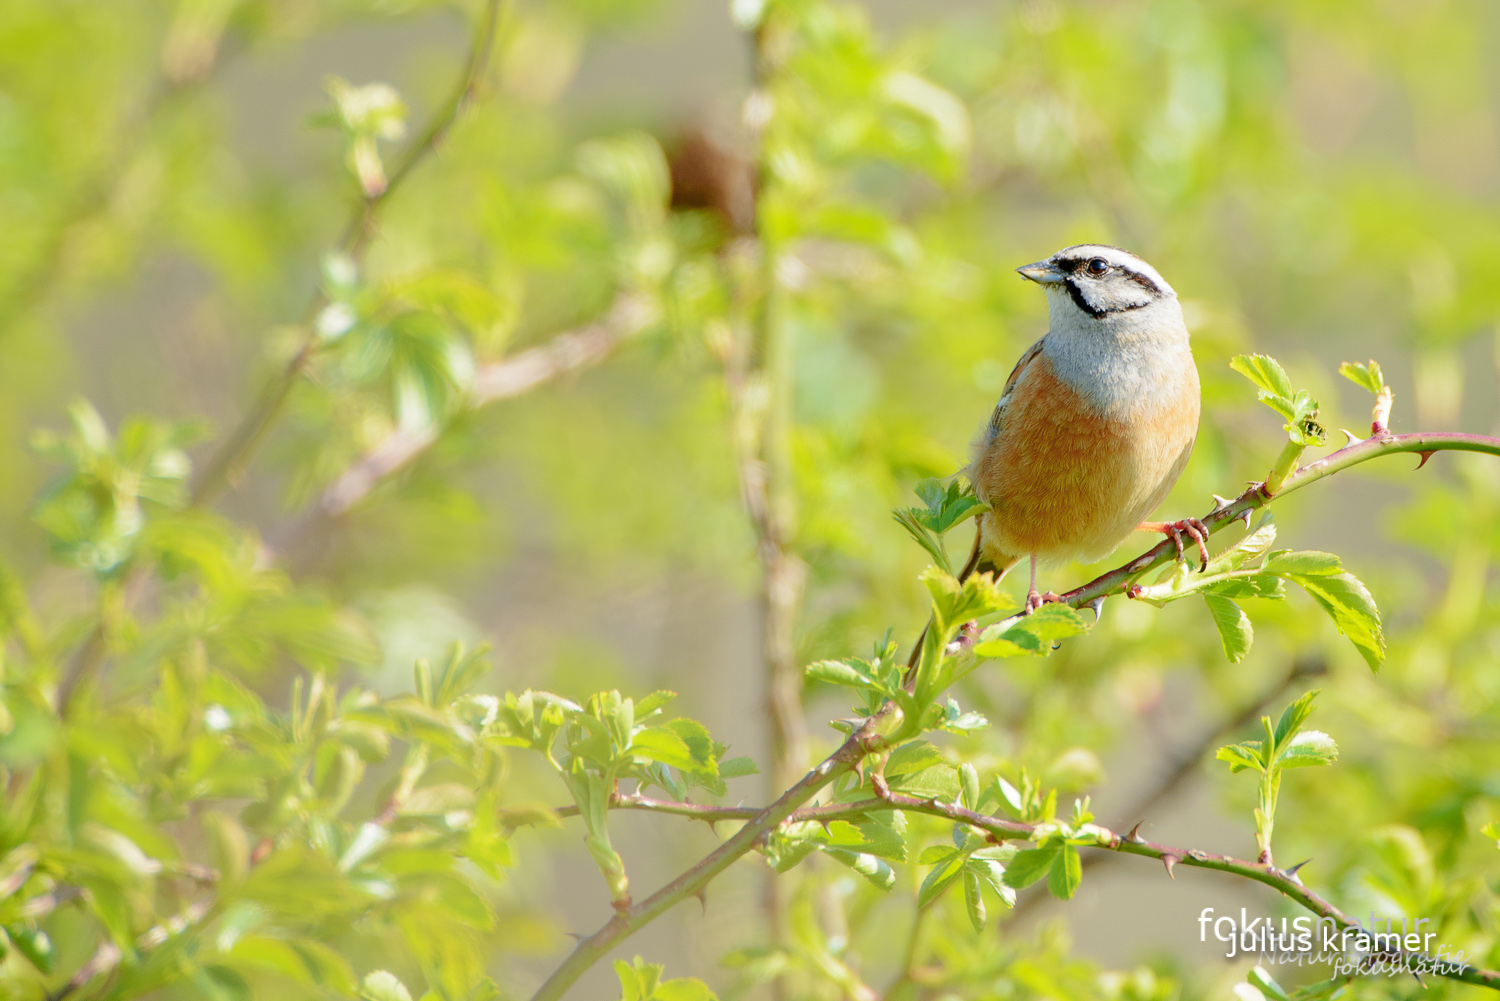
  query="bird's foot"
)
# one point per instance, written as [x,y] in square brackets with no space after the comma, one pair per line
[1036,599]
[1193,528]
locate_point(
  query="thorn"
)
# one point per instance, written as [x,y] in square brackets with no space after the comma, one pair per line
[702,896]
[1354,439]
[713,825]
[1169,861]
[1246,517]
[1419,978]
[1134,837]
[575,936]
[1096,606]
[1425,456]
[1196,855]
[1291,873]
[1220,504]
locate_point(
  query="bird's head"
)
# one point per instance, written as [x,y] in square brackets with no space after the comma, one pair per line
[1102,282]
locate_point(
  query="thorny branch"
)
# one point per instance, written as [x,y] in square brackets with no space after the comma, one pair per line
[866,740]
[1185,766]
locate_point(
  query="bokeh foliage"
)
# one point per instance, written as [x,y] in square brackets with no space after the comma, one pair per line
[250,791]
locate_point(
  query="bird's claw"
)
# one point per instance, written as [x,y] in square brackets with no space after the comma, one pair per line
[1195,530]
[1036,599]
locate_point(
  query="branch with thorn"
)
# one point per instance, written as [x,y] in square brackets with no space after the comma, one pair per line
[867,739]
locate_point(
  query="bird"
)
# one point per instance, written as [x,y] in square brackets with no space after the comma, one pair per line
[1094,425]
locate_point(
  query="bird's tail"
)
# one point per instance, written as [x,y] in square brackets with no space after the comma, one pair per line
[978,563]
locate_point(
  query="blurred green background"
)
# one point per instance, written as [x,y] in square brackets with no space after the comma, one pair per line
[1318,180]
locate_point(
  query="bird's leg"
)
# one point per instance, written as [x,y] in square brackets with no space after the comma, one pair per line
[1175,530]
[1034,599]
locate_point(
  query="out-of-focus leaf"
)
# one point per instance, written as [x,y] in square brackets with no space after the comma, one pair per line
[382,985]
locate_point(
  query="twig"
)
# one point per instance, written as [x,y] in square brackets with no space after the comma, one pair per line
[1254,498]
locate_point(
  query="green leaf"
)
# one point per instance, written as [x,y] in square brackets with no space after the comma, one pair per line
[1310,747]
[1287,563]
[1235,630]
[867,865]
[940,782]
[907,519]
[954,604]
[1031,865]
[940,878]
[1033,634]
[851,673]
[734,768]
[1292,718]
[651,703]
[382,985]
[1242,756]
[1265,372]
[1367,376]
[1066,873]
[872,837]
[913,756]
[974,899]
[1349,603]
[1261,981]
[1492,831]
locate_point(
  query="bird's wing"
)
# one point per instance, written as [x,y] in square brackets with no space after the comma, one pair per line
[998,416]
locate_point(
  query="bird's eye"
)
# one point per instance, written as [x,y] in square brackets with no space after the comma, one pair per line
[1097,266]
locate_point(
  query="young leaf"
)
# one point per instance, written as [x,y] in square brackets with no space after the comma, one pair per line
[1035,634]
[1292,718]
[382,985]
[1265,372]
[1241,756]
[1031,865]
[1367,376]
[1349,603]
[1235,630]
[940,878]
[1066,873]
[1310,747]
[974,899]
[868,866]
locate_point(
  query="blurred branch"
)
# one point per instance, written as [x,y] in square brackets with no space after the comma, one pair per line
[561,354]
[758,383]
[225,464]
[101,190]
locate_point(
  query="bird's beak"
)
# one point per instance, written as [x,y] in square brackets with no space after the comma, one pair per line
[1042,273]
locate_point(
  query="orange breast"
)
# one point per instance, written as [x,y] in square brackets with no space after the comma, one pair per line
[1065,482]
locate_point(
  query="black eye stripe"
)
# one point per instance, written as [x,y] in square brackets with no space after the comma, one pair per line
[1082,303]
[1076,265]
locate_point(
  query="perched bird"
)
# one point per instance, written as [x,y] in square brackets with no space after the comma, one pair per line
[1094,425]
